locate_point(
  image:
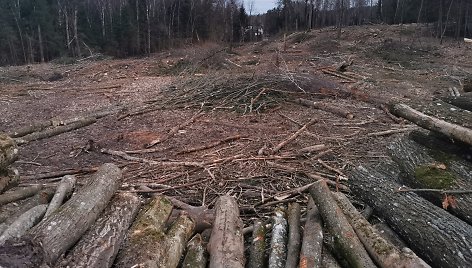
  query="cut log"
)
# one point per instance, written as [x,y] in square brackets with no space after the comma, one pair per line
[327,260]
[8,151]
[196,256]
[421,224]
[21,225]
[434,124]
[325,107]
[464,102]
[445,111]
[146,235]
[426,168]
[9,179]
[384,253]
[55,131]
[226,246]
[64,190]
[63,229]
[18,194]
[312,149]
[278,242]
[310,255]
[176,239]
[42,197]
[99,246]
[346,242]
[293,136]
[388,234]
[258,246]
[294,240]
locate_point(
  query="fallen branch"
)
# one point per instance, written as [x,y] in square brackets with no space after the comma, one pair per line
[293,136]
[390,115]
[441,191]
[346,243]
[23,223]
[211,145]
[56,174]
[128,157]
[390,132]
[18,194]
[174,130]
[328,167]
[65,188]
[325,107]
[312,149]
[434,124]
[55,131]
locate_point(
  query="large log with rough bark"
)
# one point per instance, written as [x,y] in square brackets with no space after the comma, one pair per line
[258,246]
[384,253]
[294,237]
[8,151]
[429,169]
[464,102]
[434,124]
[99,246]
[435,235]
[23,223]
[445,111]
[442,143]
[278,241]
[196,256]
[18,194]
[61,230]
[312,243]
[226,246]
[145,237]
[346,243]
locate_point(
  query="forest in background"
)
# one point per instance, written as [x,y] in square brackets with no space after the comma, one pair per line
[43,30]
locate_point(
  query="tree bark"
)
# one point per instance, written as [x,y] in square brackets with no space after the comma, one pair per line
[445,111]
[226,245]
[8,151]
[99,246]
[439,142]
[278,242]
[145,237]
[426,168]
[196,256]
[312,244]
[258,246]
[346,243]
[384,253]
[325,107]
[421,224]
[294,243]
[176,240]
[62,229]
[65,188]
[451,130]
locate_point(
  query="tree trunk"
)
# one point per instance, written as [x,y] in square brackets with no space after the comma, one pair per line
[451,130]
[294,240]
[63,229]
[439,142]
[346,242]
[8,151]
[176,240]
[145,237]
[278,242]
[99,246]
[421,224]
[65,189]
[196,256]
[40,40]
[76,34]
[384,253]
[425,168]
[226,245]
[312,245]
[258,246]
[23,223]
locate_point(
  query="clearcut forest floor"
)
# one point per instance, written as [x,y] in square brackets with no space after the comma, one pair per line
[389,62]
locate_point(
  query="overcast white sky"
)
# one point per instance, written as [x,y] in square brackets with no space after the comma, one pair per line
[260,6]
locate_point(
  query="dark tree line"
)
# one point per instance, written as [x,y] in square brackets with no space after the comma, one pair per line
[41,30]
[445,17]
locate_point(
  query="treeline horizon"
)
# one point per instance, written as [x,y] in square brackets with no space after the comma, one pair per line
[43,30]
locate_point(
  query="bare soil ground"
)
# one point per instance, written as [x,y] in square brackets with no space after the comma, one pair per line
[389,62]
